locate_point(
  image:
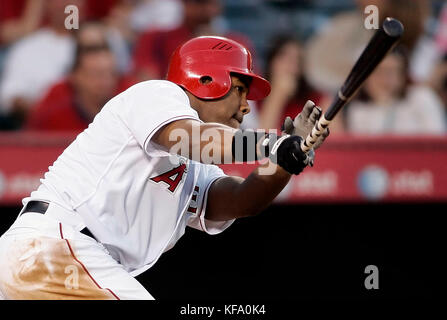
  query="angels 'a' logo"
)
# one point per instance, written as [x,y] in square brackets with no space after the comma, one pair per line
[172,177]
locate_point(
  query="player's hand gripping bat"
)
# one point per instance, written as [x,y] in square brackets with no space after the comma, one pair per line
[379,45]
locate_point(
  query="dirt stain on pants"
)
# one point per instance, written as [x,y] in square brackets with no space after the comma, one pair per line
[47,269]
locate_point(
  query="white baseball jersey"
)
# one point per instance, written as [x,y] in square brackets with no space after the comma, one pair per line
[135,197]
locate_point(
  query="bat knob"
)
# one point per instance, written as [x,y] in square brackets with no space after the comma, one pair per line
[393,27]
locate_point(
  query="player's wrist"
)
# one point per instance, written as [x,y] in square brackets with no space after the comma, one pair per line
[288,155]
[284,150]
[247,145]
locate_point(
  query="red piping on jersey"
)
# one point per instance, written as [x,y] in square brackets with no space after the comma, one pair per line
[192,209]
[82,265]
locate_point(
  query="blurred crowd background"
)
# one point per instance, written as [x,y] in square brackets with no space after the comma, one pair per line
[56,79]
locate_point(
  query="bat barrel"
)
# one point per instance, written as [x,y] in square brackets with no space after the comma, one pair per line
[393,28]
[380,44]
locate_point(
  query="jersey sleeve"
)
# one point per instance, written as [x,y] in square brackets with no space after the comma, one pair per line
[149,106]
[197,209]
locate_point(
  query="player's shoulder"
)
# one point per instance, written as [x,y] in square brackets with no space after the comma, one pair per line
[149,96]
[155,90]
[155,86]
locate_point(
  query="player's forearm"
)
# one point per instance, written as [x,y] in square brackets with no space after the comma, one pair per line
[209,143]
[214,145]
[260,188]
[234,197]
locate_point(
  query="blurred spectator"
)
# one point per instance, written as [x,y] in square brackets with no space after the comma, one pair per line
[389,104]
[154,48]
[126,19]
[99,9]
[18,18]
[73,103]
[413,14]
[441,35]
[156,14]
[333,50]
[120,34]
[438,81]
[423,53]
[91,33]
[96,32]
[290,89]
[34,63]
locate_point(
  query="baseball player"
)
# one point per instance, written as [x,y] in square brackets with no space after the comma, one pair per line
[123,192]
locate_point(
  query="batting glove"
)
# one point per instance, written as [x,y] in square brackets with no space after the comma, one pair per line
[304,122]
[287,153]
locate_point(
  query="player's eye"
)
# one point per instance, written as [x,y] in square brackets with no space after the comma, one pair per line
[240,89]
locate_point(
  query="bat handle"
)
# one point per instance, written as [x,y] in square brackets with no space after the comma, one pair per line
[316,132]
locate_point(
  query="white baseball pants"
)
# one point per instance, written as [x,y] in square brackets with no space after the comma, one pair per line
[44,258]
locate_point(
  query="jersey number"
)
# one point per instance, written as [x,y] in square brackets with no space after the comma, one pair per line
[171,177]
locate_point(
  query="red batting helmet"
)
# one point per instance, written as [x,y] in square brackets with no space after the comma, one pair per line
[214,58]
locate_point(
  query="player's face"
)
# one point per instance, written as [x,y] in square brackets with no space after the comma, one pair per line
[230,109]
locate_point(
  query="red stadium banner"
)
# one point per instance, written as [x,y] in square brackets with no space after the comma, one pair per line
[361,169]
[348,169]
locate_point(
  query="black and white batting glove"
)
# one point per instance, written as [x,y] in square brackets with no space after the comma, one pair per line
[286,152]
[304,122]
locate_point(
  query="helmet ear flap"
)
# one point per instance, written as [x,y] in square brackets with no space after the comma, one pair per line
[205,80]
[212,86]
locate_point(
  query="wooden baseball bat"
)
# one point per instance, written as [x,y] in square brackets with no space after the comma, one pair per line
[380,44]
